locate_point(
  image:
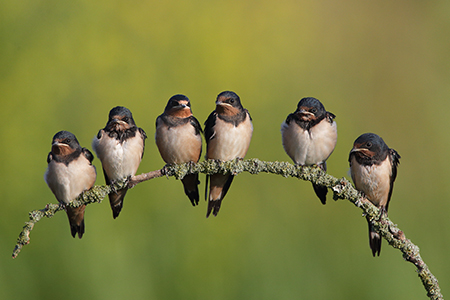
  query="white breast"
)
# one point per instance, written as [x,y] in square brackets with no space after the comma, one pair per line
[309,147]
[119,160]
[229,141]
[178,144]
[373,181]
[67,182]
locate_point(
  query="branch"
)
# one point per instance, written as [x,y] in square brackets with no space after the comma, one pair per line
[341,188]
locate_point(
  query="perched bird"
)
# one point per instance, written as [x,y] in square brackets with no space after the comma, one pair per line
[179,140]
[309,136]
[228,131]
[373,167]
[120,147]
[69,173]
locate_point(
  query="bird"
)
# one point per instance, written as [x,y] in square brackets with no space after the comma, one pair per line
[228,131]
[120,148]
[178,138]
[69,173]
[373,168]
[309,136]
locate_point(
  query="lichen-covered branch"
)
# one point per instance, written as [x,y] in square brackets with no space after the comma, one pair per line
[35,216]
[341,188]
[94,195]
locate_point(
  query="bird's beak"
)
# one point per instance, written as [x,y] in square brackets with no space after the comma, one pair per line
[182,104]
[305,113]
[357,150]
[58,144]
[117,121]
[363,151]
[60,148]
[223,103]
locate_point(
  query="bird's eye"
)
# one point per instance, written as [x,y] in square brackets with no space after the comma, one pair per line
[313,110]
[67,141]
[125,119]
[231,100]
[369,144]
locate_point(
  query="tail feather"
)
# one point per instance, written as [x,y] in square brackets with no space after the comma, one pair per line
[190,184]
[374,240]
[321,192]
[116,201]
[76,220]
[219,185]
[206,187]
[214,207]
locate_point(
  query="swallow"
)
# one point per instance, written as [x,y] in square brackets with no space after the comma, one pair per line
[69,173]
[373,167]
[179,140]
[228,131]
[309,136]
[120,147]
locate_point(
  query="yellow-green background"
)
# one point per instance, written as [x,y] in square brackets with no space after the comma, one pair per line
[380,66]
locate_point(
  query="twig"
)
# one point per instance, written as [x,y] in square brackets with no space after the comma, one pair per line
[341,188]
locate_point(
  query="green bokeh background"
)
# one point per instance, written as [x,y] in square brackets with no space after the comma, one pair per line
[380,66]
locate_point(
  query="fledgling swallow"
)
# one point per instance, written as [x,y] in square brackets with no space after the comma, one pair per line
[309,136]
[373,167]
[228,131]
[120,147]
[69,173]
[179,140]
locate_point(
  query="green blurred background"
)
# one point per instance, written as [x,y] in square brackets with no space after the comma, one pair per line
[380,66]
